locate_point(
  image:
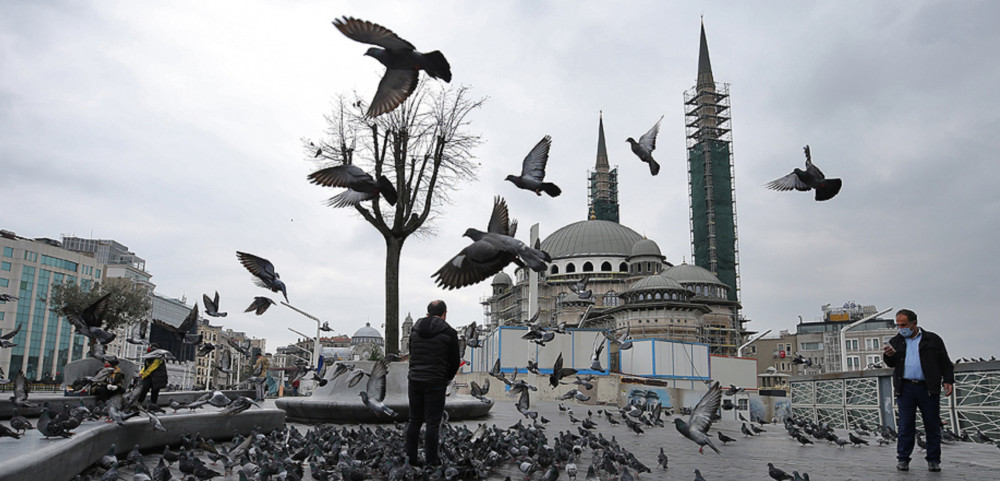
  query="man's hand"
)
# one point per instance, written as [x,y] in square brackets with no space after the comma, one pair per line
[112,387]
[948,388]
[888,350]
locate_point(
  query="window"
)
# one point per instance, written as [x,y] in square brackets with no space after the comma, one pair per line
[623,267]
[853,362]
[743,404]
[872,344]
[588,267]
[605,266]
[570,268]
[4,282]
[4,266]
[8,252]
[555,269]
[874,362]
[852,345]
[30,256]
[811,346]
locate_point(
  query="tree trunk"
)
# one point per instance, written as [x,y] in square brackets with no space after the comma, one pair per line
[393,249]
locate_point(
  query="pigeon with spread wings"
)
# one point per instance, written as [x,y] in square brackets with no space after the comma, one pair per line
[490,252]
[805,180]
[696,428]
[264,274]
[182,332]
[88,322]
[643,149]
[212,305]
[401,60]
[533,171]
[359,184]
[374,392]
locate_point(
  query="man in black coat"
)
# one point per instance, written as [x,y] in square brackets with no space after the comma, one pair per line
[434,361]
[921,366]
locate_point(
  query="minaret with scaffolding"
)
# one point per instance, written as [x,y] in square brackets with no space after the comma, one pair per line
[711,183]
[602,198]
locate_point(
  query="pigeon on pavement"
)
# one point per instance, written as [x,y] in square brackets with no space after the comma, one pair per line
[360,185]
[400,58]
[645,146]
[533,171]
[805,180]
[264,274]
[696,428]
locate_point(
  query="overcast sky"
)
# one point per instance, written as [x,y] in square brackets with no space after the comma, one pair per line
[175,128]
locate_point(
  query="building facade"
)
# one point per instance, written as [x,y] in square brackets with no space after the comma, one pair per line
[45,342]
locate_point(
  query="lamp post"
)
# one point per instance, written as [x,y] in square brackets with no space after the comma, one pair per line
[315,354]
[739,350]
[843,337]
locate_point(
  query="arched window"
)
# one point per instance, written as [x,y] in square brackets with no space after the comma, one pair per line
[570,268]
[605,266]
[588,267]
[555,269]
[649,267]
[659,296]
[623,267]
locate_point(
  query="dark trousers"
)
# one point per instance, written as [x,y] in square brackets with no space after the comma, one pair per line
[916,396]
[147,386]
[426,406]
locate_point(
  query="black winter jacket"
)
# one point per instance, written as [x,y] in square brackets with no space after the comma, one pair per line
[434,354]
[158,378]
[934,361]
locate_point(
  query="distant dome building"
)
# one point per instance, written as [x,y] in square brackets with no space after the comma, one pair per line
[631,284]
[365,340]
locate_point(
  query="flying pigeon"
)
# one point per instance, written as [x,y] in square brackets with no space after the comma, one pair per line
[212,305]
[580,288]
[260,305]
[400,58]
[5,339]
[623,341]
[374,392]
[489,253]
[88,322]
[533,171]
[805,180]
[595,357]
[360,185]
[7,298]
[645,146]
[263,271]
[182,332]
[696,428]
[559,372]
[523,405]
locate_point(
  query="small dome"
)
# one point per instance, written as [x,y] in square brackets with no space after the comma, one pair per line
[645,247]
[367,332]
[591,238]
[689,273]
[656,282]
[501,279]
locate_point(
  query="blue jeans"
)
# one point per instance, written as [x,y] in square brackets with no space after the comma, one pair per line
[916,396]
[426,405]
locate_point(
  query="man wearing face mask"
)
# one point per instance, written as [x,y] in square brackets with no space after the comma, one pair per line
[921,367]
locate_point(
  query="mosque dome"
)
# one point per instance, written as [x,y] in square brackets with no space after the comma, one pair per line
[690,273]
[645,247]
[501,279]
[591,238]
[366,334]
[656,282]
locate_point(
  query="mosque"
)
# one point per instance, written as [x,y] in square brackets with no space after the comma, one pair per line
[633,285]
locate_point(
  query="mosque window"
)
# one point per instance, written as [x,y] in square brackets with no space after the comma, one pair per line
[570,268]
[588,267]
[659,296]
[555,269]
[649,267]
[623,267]
[605,266]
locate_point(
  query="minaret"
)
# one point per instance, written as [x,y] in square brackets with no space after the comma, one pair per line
[602,199]
[710,175]
[404,343]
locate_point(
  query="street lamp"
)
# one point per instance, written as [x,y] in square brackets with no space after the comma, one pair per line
[739,350]
[843,337]
[315,354]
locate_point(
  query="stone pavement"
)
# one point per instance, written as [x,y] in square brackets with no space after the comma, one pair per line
[746,459]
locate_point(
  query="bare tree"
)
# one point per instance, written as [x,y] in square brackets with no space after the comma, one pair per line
[424,147]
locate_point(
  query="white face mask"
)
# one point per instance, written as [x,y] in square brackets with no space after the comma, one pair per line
[906,331]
